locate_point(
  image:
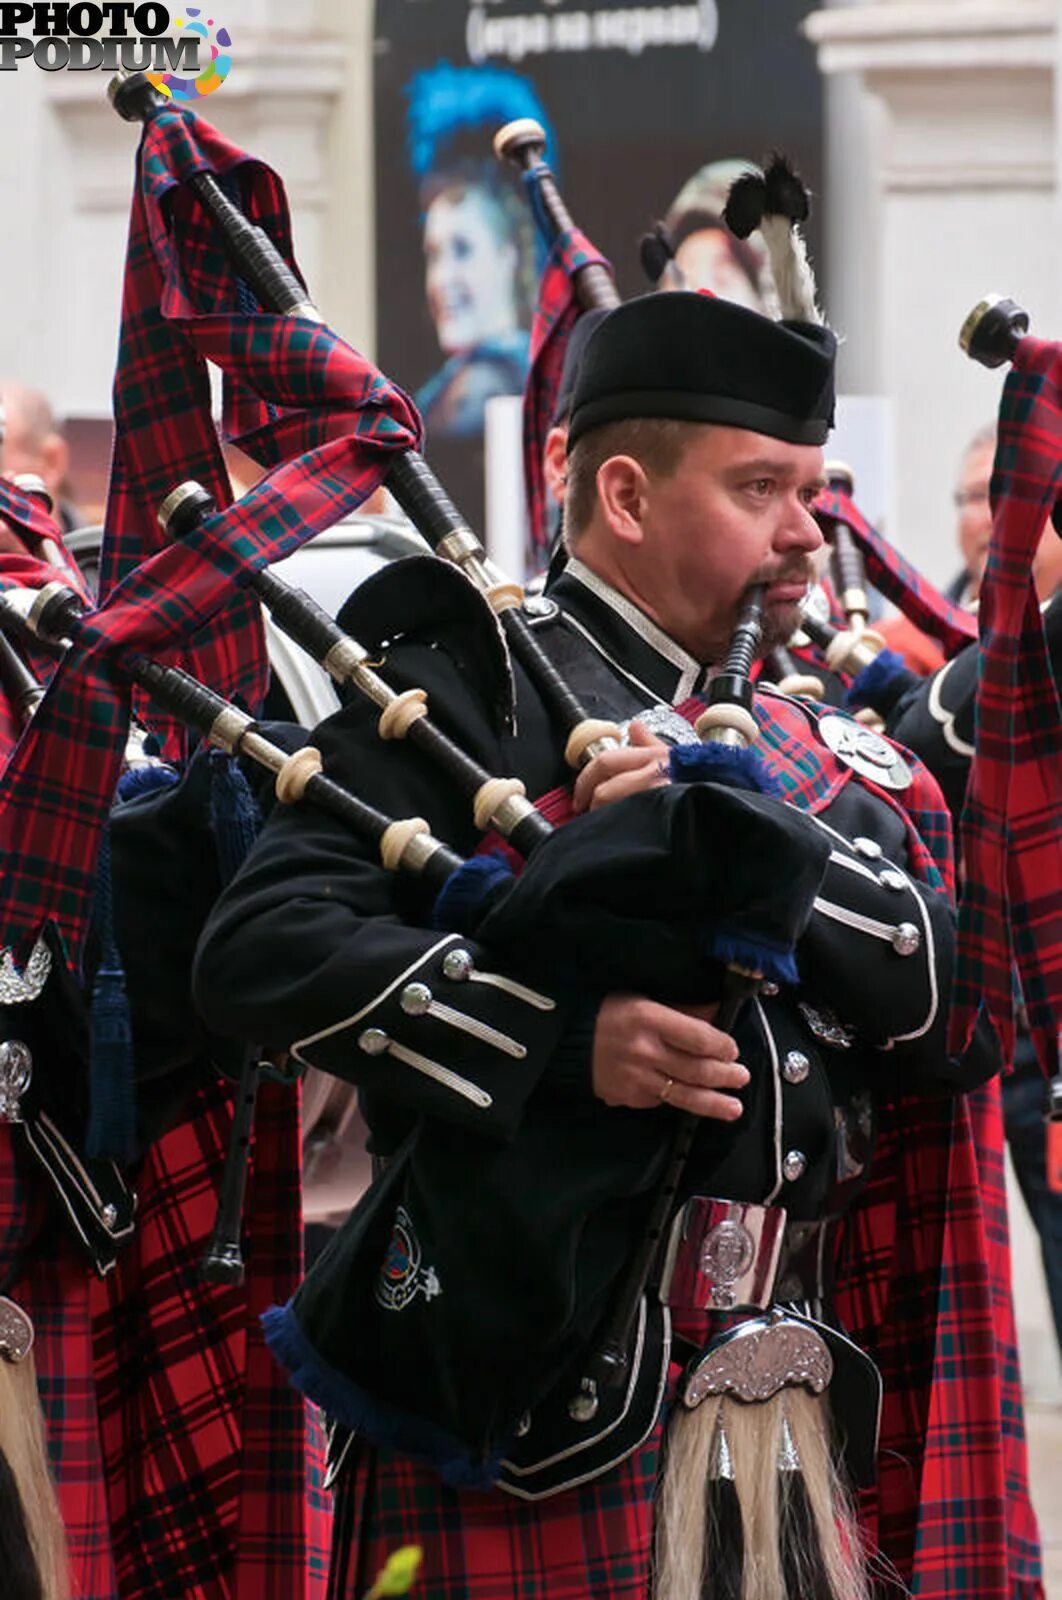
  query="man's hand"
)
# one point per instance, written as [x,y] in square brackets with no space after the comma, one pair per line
[617,773]
[646,1054]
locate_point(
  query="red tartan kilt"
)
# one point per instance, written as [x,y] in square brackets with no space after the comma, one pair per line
[592,1542]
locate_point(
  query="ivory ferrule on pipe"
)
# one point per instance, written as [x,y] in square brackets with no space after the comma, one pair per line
[229,728]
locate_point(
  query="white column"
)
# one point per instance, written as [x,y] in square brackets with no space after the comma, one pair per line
[958,197]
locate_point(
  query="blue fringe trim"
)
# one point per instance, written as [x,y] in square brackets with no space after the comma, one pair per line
[234,814]
[776,962]
[145,780]
[722,763]
[877,679]
[385,1425]
[111,1133]
[464,897]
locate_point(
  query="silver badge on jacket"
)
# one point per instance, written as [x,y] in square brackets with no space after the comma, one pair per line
[865,751]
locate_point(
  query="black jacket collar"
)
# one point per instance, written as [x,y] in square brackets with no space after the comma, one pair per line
[628,639]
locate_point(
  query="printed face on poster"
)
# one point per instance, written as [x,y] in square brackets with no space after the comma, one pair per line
[650,110]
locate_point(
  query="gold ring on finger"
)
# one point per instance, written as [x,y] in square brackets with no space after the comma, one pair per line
[669,1084]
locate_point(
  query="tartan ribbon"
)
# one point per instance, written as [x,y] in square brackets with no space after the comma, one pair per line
[1011,911]
[25,514]
[337,412]
[22,569]
[290,386]
[556,312]
[897,579]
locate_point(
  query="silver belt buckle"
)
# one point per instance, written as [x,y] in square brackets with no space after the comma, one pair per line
[721,1254]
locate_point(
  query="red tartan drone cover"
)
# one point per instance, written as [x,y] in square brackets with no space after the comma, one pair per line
[329,403]
[556,313]
[897,579]
[1010,917]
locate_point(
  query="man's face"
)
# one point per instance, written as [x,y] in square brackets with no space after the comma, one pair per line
[470,273]
[735,512]
[975,526]
[975,513]
[707,262]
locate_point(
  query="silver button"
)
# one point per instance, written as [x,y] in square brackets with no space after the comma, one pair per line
[415,999]
[457,965]
[769,989]
[794,1165]
[892,879]
[905,938]
[109,1215]
[373,1041]
[867,847]
[523,1427]
[583,1407]
[795,1067]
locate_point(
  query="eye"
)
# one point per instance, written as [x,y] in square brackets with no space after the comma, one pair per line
[761,487]
[810,495]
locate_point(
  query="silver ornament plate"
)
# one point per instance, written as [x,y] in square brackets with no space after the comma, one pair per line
[865,751]
[16,1331]
[17,988]
[761,1357]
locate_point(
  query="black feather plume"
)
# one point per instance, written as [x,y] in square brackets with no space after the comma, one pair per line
[787,194]
[656,250]
[745,204]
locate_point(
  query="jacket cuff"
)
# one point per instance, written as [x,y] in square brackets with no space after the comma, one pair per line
[449,1037]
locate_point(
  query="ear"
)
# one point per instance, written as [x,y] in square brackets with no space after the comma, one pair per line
[623,496]
[55,459]
[555,463]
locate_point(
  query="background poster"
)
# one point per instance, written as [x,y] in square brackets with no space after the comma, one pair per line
[637,98]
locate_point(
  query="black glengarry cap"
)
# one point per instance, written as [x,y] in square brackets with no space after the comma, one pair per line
[697,358]
[573,357]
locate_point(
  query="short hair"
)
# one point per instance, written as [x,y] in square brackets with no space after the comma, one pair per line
[985,435]
[656,443]
[31,407]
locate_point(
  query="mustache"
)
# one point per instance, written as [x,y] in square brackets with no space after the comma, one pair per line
[801,571]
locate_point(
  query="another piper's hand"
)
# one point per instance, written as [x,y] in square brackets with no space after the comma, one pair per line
[646,1054]
[614,774]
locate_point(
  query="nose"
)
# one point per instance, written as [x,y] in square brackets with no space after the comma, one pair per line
[798,529]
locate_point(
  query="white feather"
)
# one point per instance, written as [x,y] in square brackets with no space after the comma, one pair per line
[794,280]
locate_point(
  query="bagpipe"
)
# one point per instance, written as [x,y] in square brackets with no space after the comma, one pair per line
[409,479]
[407,845]
[664,876]
[663,910]
[507,812]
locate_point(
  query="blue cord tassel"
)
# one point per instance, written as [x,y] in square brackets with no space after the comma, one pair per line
[776,962]
[465,895]
[738,768]
[234,814]
[111,1133]
[880,683]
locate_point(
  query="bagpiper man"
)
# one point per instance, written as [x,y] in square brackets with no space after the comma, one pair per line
[521,1116]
